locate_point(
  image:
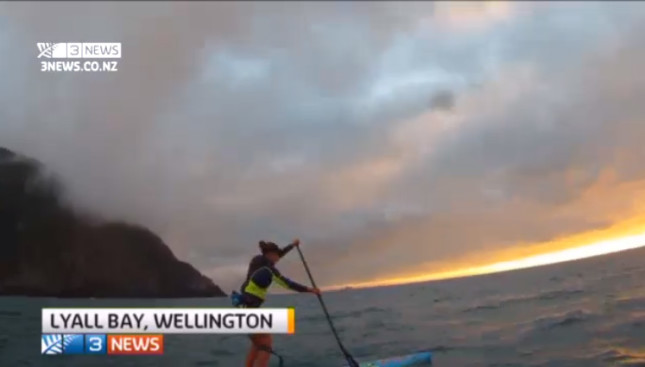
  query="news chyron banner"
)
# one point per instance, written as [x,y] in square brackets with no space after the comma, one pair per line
[129,331]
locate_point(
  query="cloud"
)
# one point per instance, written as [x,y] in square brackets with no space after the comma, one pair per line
[386,136]
[443,100]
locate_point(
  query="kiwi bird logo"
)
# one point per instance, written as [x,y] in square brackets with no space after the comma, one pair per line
[46,49]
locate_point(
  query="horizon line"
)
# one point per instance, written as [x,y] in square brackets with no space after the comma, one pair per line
[596,249]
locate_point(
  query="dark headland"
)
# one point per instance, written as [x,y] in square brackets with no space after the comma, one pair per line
[48,249]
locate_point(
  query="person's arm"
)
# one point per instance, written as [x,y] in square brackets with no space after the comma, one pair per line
[288,283]
[289,247]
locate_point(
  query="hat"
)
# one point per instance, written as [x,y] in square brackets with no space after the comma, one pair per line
[266,247]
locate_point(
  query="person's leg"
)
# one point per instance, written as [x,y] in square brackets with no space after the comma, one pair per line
[265,345]
[253,351]
[252,356]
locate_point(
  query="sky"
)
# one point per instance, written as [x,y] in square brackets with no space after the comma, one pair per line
[394,139]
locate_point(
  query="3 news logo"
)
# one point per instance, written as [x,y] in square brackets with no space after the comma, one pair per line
[56,344]
[53,344]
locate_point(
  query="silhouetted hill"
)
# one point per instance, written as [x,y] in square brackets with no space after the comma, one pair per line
[46,249]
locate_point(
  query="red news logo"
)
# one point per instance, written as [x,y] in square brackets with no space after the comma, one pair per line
[135,344]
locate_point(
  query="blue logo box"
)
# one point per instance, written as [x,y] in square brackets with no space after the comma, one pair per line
[55,344]
[95,344]
[73,344]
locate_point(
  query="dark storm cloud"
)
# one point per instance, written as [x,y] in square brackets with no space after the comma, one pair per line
[232,122]
[443,100]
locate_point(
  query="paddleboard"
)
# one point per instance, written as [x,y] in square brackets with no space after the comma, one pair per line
[416,359]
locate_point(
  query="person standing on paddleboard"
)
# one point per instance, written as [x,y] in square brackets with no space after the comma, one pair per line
[261,274]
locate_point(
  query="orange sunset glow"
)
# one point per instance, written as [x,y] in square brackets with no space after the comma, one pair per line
[590,249]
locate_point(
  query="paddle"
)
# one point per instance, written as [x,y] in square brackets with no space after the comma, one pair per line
[352,362]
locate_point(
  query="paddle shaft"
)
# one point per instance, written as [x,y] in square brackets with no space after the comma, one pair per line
[348,356]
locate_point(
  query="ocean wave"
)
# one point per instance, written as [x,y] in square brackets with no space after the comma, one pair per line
[364,312]
[484,307]
[634,269]
[312,318]
[630,303]
[562,320]
[556,279]
[535,330]
[499,303]
[441,349]
[559,294]
[627,326]
[544,296]
[623,275]
[368,311]
[625,357]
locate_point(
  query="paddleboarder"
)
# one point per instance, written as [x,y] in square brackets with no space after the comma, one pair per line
[261,274]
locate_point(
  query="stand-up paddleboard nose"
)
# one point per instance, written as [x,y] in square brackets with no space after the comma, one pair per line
[410,360]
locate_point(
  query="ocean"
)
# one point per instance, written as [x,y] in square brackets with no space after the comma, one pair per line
[585,313]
